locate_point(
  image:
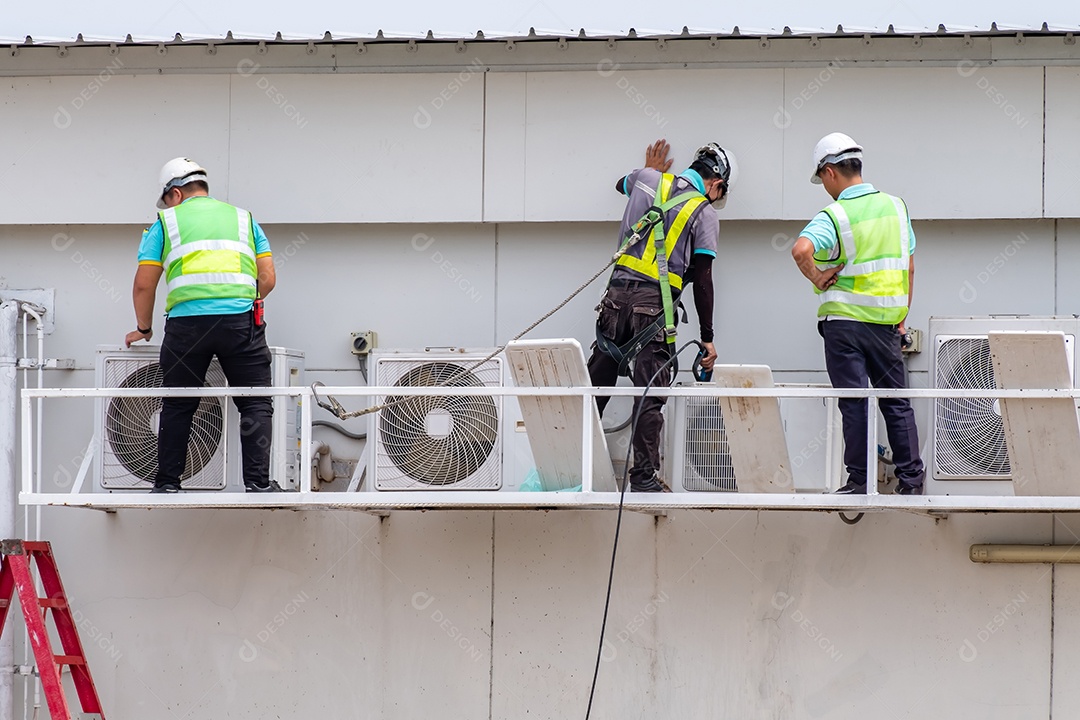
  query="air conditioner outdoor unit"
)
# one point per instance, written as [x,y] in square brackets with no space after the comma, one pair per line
[442,442]
[969,455]
[697,457]
[126,427]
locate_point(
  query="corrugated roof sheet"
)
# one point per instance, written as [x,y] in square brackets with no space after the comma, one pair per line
[68,21]
[530,33]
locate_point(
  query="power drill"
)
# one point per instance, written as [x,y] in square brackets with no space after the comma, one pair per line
[700,373]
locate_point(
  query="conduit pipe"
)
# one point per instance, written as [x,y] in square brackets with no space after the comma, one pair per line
[9,326]
[320,452]
[1025,554]
[34,311]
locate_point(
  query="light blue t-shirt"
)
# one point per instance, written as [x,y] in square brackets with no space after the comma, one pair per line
[821,230]
[151,252]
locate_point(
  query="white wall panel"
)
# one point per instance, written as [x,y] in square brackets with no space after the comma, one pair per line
[226,615]
[504,147]
[1062,148]
[796,616]
[960,142]
[88,150]
[358,148]
[1066,579]
[436,615]
[963,268]
[1067,290]
[549,593]
[434,287]
[587,129]
[416,286]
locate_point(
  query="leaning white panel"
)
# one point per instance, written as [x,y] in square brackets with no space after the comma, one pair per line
[554,424]
[1043,435]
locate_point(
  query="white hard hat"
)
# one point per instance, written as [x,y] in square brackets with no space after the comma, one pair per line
[178,171]
[833,148]
[722,164]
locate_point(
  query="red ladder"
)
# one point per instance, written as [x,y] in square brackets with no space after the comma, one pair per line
[15,574]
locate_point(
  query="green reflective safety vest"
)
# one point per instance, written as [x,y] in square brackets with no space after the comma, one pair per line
[874,245]
[646,264]
[209,252]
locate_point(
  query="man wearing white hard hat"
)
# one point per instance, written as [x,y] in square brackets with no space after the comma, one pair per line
[858,253]
[635,331]
[217,266]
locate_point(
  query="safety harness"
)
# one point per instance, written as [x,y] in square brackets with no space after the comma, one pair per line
[653,221]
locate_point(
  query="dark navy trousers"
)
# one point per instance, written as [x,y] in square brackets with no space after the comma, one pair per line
[189,346]
[857,353]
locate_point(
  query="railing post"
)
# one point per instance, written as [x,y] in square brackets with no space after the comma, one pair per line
[304,464]
[28,439]
[871,445]
[586,442]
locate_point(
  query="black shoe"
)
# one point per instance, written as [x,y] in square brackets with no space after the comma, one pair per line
[850,488]
[654,485]
[272,487]
[905,489]
[165,489]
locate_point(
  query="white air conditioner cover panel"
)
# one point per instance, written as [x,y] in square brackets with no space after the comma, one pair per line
[129,429]
[442,442]
[969,439]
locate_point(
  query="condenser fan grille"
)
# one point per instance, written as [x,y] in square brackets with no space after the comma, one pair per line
[131,429]
[969,438]
[439,441]
[708,458]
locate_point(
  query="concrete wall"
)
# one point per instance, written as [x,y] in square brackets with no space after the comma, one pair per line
[438,214]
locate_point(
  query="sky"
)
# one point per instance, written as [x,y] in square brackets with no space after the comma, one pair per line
[65,19]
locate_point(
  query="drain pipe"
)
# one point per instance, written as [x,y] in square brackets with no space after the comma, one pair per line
[9,324]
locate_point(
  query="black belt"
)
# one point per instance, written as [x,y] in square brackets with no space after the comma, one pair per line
[624,283]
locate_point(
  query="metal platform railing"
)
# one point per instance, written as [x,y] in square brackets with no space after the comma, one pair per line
[306,497]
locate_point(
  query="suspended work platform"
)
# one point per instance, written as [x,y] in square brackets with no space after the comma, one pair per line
[1038,412]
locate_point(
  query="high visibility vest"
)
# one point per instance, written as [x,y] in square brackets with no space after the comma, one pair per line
[646,264]
[874,245]
[209,252]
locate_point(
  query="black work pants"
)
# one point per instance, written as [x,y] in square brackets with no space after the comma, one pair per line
[624,312]
[857,352]
[186,352]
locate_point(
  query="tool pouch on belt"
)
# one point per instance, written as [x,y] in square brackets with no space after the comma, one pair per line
[644,323]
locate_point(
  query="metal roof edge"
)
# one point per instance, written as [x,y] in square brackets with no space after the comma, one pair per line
[431,35]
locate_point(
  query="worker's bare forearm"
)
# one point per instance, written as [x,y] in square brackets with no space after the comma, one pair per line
[267,275]
[803,254]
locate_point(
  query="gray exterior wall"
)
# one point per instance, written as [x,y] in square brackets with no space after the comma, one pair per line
[507,167]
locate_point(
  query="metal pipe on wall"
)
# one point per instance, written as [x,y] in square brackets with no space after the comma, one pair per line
[1025,554]
[9,319]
